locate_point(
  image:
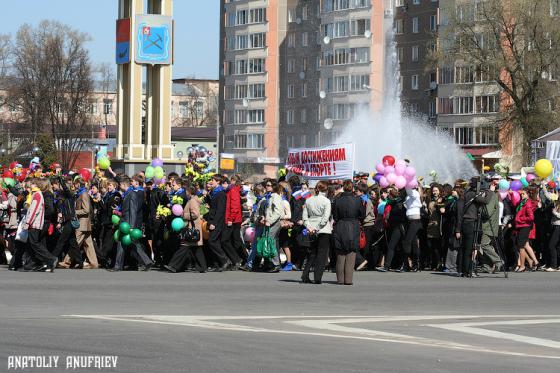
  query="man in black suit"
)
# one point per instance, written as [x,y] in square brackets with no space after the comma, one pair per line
[133,214]
[216,222]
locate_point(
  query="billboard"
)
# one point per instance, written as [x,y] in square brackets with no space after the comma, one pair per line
[154,40]
[334,162]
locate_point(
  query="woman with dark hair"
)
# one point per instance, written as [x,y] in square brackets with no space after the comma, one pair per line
[524,223]
[395,216]
[348,212]
[436,208]
[273,216]
[316,219]
[451,242]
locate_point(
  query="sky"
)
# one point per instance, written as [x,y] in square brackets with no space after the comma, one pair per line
[197,29]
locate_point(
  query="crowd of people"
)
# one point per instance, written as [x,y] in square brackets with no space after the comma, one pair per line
[68,221]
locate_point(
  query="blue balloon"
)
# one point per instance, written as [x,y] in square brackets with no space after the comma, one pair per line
[381,207]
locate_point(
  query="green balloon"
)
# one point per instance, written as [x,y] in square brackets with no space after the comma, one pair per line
[136,234]
[177,224]
[524,182]
[158,172]
[116,236]
[115,219]
[126,240]
[9,182]
[149,173]
[124,228]
[103,163]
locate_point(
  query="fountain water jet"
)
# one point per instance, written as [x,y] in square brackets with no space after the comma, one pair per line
[389,131]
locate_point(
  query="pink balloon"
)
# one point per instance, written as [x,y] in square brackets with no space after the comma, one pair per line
[391,178]
[503,195]
[400,182]
[380,168]
[412,184]
[389,170]
[400,162]
[177,210]
[249,234]
[530,177]
[515,197]
[400,169]
[383,182]
[410,172]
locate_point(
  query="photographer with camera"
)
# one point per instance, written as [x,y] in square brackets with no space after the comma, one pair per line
[470,224]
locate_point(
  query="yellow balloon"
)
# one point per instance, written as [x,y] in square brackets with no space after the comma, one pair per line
[543,168]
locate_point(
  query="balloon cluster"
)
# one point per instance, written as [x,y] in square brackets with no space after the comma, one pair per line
[200,158]
[125,234]
[395,172]
[177,224]
[155,171]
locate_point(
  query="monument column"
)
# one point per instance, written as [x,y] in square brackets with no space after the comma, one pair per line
[129,87]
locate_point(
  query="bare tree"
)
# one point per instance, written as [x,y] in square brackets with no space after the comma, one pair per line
[202,104]
[516,44]
[53,85]
[108,81]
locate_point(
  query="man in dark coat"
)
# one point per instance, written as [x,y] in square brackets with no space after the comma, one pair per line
[132,213]
[216,222]
[109,203]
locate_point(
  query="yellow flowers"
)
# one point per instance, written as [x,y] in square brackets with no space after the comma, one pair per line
[162,211]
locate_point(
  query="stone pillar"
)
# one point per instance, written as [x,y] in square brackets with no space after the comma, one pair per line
[158,98]
[129,94]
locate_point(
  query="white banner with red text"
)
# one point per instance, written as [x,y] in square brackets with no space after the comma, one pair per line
[324,163]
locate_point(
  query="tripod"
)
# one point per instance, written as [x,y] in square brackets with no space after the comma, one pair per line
[477,242]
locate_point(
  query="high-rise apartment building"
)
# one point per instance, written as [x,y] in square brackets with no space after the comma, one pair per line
[294,72]
[415,25]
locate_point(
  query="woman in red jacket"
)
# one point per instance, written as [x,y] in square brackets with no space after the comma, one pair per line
[524,221]
[231,238]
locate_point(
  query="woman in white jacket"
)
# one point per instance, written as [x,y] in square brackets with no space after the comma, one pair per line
[273,217]
[317,221]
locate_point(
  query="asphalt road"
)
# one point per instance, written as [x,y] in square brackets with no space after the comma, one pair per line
[251,322]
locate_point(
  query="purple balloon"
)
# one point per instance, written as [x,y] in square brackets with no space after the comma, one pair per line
[378,177]
[157,181]
[383,182]
[516,185]
[249,234]
[410,172]
[412,184]
[380,168]
[391,178]
[177,210]
[157,162]
[389,170]
[400,182]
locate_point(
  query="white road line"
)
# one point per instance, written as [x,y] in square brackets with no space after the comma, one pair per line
[470,328]
[329,324]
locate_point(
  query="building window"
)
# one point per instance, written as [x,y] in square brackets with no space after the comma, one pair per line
[415,27]
[257,15]
[304,64]
[487,135]
[303,116]
[400,54]
[198,109]
[291,65]
[304,90]
[487,104]
[304,39]
[257,40]
[456,105]
[416,2]
[290,91]
[92,109]
[359,82]
[292,15]
[432,109]
[241,42]
[183,109]
[290,117]
[255,116]
[345,56]
[554,7]
[433,22]
[256,65]
[340,83]
[446,75]
[304,12]
[464,74]
[107,106]
[256,90]
[399,26]
[291,40]
[464,135]
[414,53]
[414,82]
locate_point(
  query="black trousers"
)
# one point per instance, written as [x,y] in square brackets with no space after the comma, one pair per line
[464,257]
[137,251]
[106,249]
[37,243]
[433,252]
[396,235]
[317,256]
[67,244]
[231,242]
[185,252]
[215,246]
[410,242]
[553,247]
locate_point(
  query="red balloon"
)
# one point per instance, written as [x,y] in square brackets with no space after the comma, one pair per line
[551,184]
[7,174]
[85,174]
[23,174]
[13,165]
[388,160]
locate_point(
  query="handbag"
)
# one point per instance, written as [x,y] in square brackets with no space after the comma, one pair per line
[191,234]
[363,240]
[266,245]
[75,223]
[21,234]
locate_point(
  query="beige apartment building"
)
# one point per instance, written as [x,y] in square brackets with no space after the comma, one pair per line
[294,72]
